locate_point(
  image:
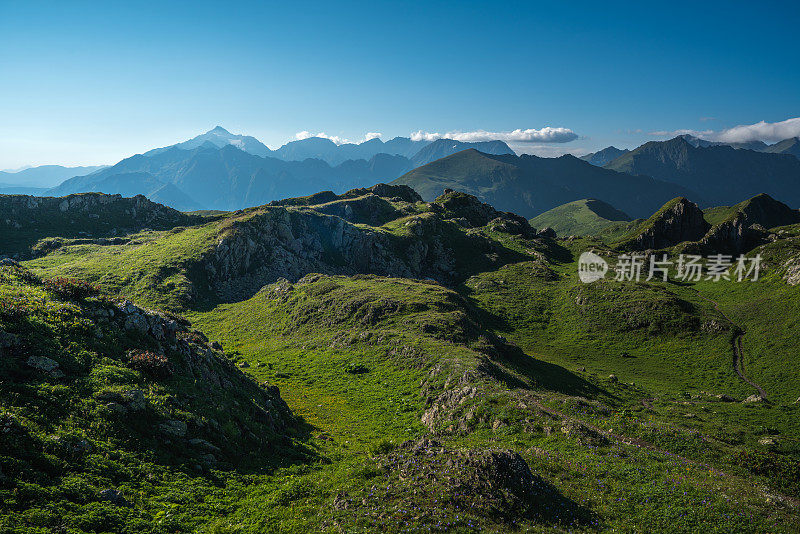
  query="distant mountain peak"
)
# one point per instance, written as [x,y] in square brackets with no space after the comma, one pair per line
[219,130]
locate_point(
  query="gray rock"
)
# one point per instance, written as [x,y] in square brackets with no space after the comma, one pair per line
[135,400]
[753,398]
[203,444]
[546,232]
[8,340]
[768,441]
[46,365]
[174,428]
[114,497]
[136,322]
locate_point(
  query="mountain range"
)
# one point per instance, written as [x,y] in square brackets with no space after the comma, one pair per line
[43,176]
[717,173]
[530,185]
[322,148]
[224,171]
[220,170]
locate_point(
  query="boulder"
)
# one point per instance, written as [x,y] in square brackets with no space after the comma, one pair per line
[174,428]
[546,232]
[753,398]
[134,400]
[114,496]
[46,365]
[8,340]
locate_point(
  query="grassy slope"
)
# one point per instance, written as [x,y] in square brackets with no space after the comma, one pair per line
[71,434]
[305,340]
[631,486]
[582,217]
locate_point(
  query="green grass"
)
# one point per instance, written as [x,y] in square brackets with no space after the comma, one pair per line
[582,217]
[363,360]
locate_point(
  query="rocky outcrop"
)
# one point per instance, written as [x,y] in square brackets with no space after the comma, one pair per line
[733,236]
[23,211]
[289,243]
[678,221]
[747,227]
[367,209]
[82,215]
[492,483]
[474,213]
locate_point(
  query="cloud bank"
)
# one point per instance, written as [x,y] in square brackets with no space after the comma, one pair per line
[519,136]
[769,132]
[531,135]
[305,134]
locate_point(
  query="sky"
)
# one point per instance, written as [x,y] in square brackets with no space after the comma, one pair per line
[85,83]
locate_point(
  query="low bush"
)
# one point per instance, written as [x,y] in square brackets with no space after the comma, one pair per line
[71,288]
[155,365]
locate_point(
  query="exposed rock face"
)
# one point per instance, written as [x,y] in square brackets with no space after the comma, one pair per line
[678,221]
[199,361]
[733,236]
[747,228]
[287,244]
[792,273]
[290,243]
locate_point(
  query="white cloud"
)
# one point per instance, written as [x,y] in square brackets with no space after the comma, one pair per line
[305,134]
[544,135]
[419,135]
[760,131]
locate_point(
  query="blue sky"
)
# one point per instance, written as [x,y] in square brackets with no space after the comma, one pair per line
[92,82]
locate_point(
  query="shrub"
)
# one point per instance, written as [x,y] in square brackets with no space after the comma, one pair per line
[356,369]
[71,288]
[155,365]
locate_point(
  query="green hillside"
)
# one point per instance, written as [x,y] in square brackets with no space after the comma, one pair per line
[582,217]
[442,368]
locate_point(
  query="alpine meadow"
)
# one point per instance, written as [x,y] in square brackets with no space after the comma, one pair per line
[431,267]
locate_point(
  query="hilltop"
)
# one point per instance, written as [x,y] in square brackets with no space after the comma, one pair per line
[582,217]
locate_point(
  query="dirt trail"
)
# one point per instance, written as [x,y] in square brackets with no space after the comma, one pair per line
[738,349]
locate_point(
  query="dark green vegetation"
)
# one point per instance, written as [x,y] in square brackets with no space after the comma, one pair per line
[444,367]
[529,185]
[582,217]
